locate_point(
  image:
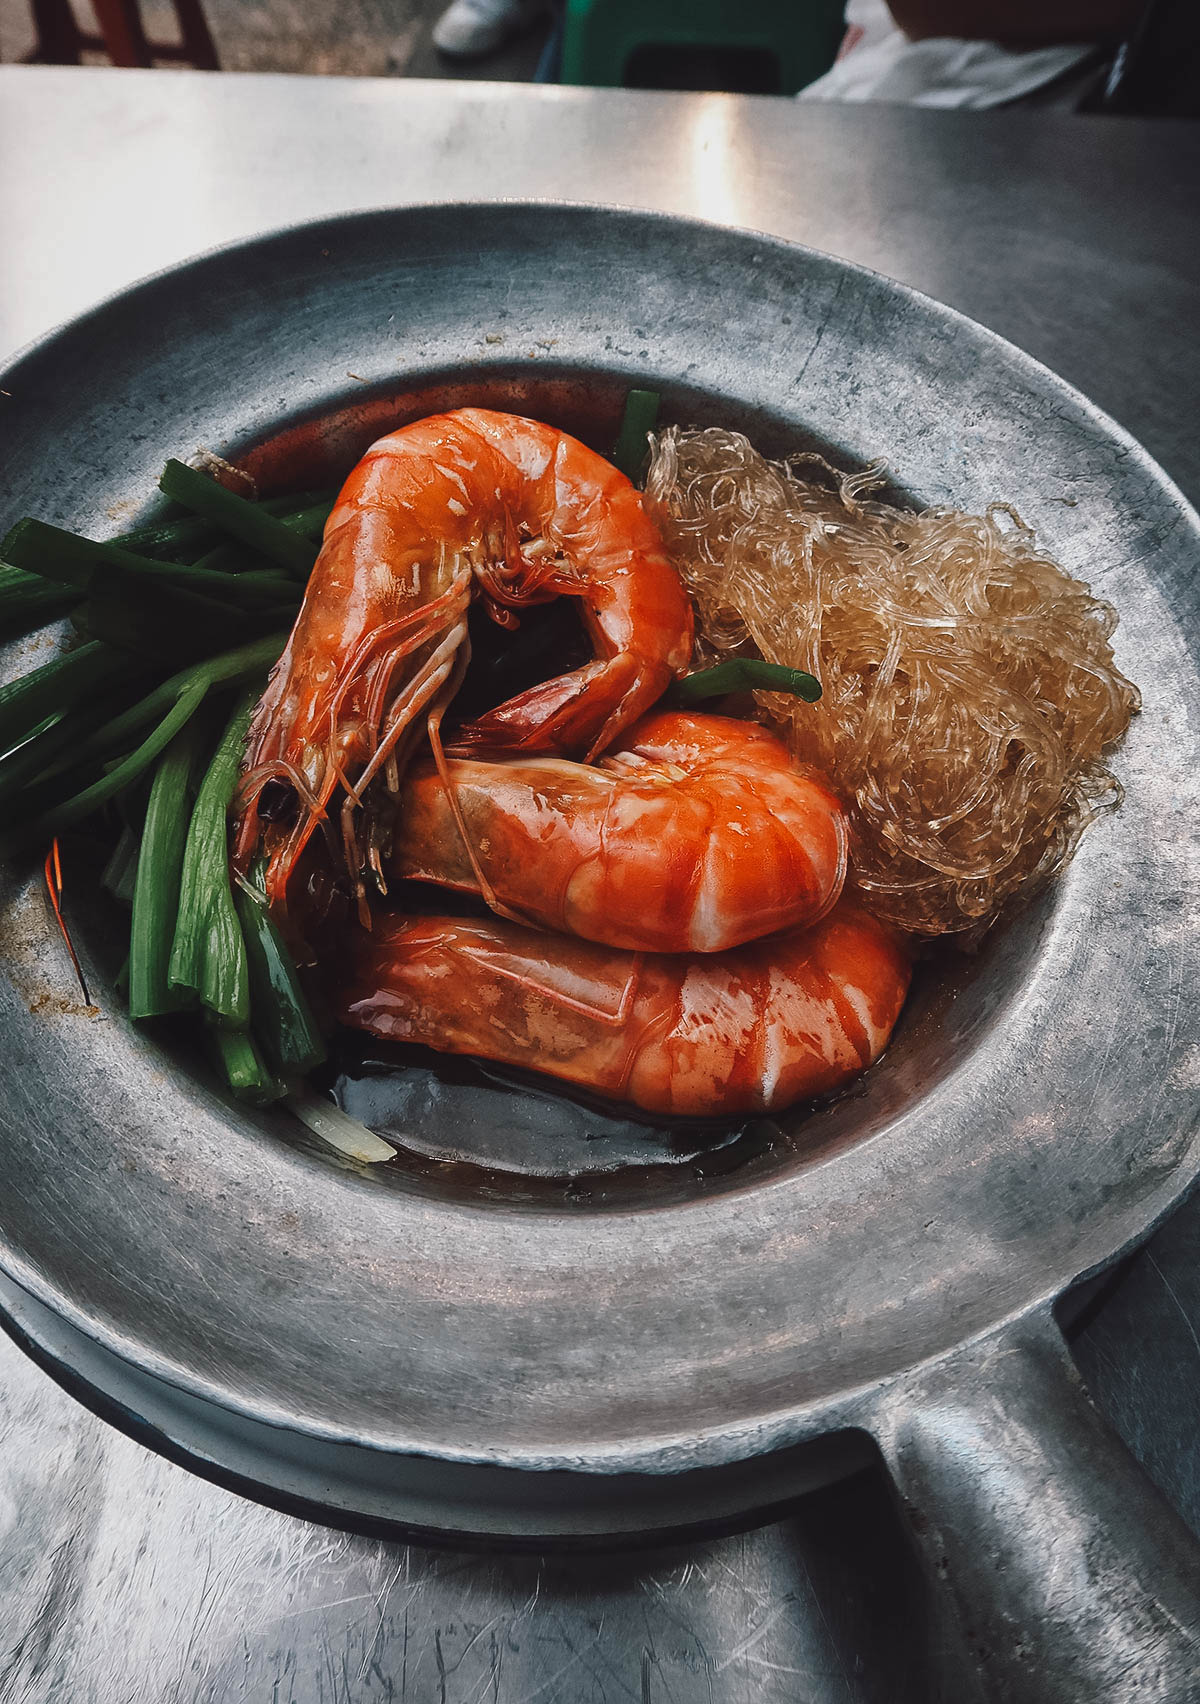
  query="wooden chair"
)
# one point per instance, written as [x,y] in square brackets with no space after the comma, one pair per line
[60,41]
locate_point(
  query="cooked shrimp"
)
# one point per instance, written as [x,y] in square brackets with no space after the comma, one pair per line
[750,1030]
[471,501]
[698,833]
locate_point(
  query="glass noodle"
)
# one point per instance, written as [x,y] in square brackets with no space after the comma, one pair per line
[969,686]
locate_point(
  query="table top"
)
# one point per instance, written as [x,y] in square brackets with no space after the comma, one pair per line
[1078,238]
[122,1576]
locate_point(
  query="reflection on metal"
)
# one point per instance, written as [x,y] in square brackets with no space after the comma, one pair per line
[716,164]
[1073,1579]
[126,1578]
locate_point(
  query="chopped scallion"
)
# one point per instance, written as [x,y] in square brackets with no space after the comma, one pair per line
[183,538]
[282,1018]
[121,870]
[208,954]
[27,602]
[243,1066]
[88,799]
[637,422]
[159,869]
[56,687]
[239,517]
[743,674]
[337,1128]
[243,663]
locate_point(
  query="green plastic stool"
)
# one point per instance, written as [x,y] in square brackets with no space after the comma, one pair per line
[603,40]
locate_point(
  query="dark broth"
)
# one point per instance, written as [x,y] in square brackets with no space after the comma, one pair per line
[506,1131]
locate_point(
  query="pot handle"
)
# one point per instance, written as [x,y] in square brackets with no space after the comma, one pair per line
[1071,1578]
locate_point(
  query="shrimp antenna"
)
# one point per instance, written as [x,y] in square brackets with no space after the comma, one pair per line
[52,871]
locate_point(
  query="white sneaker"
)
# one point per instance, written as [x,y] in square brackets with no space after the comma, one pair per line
[470,28]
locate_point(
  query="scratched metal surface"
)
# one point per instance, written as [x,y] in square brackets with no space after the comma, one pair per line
[218,1599]
[124,1578]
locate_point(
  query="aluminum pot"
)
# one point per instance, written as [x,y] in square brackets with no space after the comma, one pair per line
[880,1274]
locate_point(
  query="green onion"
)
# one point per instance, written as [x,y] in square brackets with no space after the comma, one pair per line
[259,588]
[243,1066]
[121,870]
[227,558]
[171,623]
[283,1019]
[208,954]
[71,740]
[29,765]
[27,602]
[244,663]
[239,517]
[81,804]
[297,503]
[65,558]
[159,869]
[46,788]
[56,687]
[189,532]
[310,522]
[743,674]
[637,422]
[180,538]
[230,558]
[337,1128]
[234,563]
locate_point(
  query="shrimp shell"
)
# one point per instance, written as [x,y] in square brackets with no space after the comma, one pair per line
[699,833]
[720,1034]
[461,504]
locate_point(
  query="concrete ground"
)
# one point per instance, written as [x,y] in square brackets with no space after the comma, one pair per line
[358,38]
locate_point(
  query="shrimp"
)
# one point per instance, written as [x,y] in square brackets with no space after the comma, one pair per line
[749,1030]
[697,833]
[472,502]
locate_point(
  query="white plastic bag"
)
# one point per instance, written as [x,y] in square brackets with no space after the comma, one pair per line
[878,62]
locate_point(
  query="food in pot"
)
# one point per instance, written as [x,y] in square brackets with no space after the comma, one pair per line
[664,882]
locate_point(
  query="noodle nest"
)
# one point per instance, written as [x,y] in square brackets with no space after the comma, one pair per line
[969,689]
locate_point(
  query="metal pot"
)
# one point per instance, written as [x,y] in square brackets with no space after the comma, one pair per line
[395,1346]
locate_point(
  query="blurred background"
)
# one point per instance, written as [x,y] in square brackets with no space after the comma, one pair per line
[352,38]
[1138,56]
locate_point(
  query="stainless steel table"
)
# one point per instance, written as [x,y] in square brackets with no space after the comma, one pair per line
[123,1578]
